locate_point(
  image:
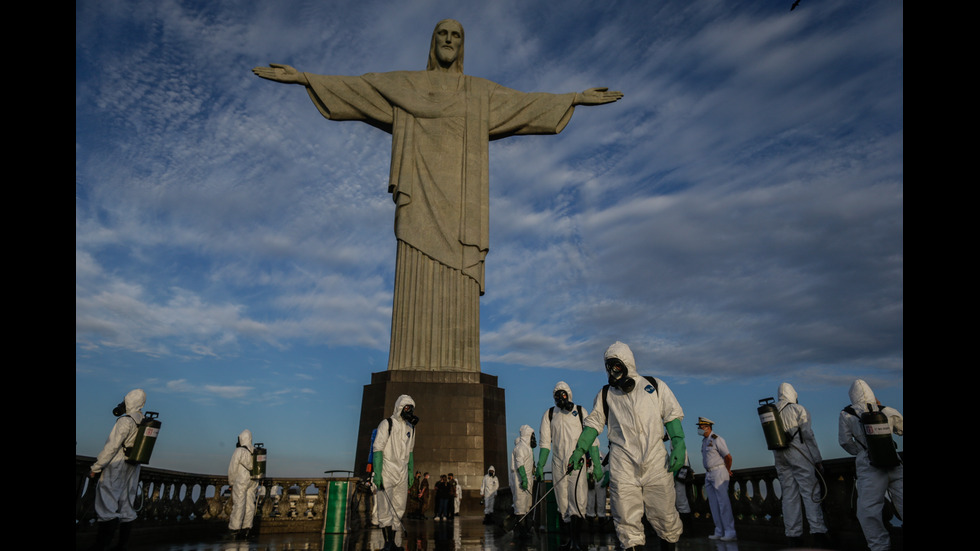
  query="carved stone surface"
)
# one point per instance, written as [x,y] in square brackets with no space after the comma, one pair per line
[462,428]
[441,122]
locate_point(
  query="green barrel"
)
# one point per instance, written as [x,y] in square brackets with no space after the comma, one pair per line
[333,542]
[553,519]
[336,521]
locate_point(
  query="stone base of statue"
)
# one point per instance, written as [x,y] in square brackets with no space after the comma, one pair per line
[462,428]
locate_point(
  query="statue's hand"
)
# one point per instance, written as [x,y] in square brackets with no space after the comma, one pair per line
[597,96]
[281,73]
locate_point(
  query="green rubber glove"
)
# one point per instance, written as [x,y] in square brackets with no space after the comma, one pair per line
[596,463]
[676,433]
[542,459]
[523,474]
[377,463]
[411,468]
[584,443]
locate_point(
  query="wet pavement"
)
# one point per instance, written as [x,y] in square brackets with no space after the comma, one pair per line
[466,533]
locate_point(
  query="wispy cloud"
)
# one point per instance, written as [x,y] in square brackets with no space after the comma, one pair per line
[739,213]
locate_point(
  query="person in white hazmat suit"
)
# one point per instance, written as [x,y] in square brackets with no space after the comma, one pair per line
[596,509]
[243,487]
[512,472]
[393,465]
[523,464]
[561,427]
[458,489]
[641,483]
[488,490]
[119,480]
[872,482]
[796,468]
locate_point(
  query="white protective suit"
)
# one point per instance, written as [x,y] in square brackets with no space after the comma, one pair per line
[512,471]
[872,482]
[597,497]
[119,483]
[489,490]
[640,483]
[397,446]
[459,495]
[523,456]
[559,435]
[243,488]
[796,466]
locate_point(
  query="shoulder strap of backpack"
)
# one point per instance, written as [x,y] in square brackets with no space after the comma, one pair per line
[605,403]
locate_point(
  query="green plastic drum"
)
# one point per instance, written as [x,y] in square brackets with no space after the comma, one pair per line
[336,521]
[553,522]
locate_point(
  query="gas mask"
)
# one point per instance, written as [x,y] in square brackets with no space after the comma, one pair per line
[119,409]
[534,441]
[619,376]
[408,414]
[561,400]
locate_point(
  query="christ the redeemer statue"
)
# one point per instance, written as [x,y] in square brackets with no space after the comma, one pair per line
[441,122]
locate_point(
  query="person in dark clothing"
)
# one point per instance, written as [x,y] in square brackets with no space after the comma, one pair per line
[424,497]
[444,493]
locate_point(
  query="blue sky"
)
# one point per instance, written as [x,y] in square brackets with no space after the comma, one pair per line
[737,218]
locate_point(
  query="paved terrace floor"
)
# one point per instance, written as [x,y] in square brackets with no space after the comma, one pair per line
[465,533]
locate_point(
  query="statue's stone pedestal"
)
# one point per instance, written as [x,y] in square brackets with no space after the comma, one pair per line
[462,428]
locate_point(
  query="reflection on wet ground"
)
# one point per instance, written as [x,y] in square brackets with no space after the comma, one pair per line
[465,533]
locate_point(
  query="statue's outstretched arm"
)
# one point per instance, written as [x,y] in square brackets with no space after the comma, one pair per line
[281,73]
[595,96]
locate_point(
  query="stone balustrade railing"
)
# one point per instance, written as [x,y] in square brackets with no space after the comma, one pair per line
[196,502]
[202,503]
[758,510]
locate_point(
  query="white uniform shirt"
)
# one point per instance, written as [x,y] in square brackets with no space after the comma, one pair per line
[713,452]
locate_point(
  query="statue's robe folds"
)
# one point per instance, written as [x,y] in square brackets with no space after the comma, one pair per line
[441,125]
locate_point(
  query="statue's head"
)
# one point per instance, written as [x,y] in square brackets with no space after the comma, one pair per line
[446,49]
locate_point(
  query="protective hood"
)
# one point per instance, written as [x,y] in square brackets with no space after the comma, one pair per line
[861,395]
[245,439]
[526,432]
[492,469]
[787,395]
[623,353]
[562,385]
[134,400]
[402,401]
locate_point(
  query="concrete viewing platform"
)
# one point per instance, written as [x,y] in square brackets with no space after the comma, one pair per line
[466,533]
